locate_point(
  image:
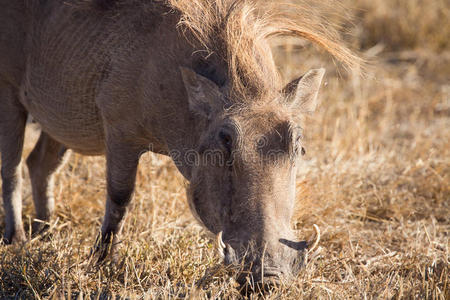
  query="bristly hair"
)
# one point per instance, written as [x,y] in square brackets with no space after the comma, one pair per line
[238,32]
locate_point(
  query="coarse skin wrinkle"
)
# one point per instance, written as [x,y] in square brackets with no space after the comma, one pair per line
[73,109]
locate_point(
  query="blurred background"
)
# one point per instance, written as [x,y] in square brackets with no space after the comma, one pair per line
[376,180]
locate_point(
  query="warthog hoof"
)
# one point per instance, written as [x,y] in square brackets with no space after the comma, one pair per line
[104,248]
[39,227]
[15,237]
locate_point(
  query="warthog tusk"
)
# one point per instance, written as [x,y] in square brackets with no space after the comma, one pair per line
[219,240]
[314,246]
[220,245]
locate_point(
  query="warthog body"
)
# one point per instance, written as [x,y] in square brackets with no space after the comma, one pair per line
[123,77]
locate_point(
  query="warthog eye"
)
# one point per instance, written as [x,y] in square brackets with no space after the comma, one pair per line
[225,140]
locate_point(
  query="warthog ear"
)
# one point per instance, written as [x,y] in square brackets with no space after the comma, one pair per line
[301,93]
[204,95]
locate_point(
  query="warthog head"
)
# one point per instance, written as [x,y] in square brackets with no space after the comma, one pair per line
[243,178]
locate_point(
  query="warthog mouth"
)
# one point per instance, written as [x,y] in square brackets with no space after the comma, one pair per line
[269,279]
[253,269]
[257,275]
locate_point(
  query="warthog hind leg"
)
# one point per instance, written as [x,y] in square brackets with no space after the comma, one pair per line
[42,162]
[12,128]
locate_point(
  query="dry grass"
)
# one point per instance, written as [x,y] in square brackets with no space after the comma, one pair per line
[376,180]
[400,24]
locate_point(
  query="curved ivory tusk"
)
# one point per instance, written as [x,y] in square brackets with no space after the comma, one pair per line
[220,245]
[220,242]
[314,246]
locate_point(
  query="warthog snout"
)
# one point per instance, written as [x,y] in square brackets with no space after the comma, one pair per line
[266,267]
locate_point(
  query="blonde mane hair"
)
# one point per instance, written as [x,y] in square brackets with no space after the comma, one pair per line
[238,32]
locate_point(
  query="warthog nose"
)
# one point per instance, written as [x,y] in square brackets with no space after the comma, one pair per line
[271,273]
[270,280]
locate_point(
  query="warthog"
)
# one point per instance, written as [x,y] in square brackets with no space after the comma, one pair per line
[191,79]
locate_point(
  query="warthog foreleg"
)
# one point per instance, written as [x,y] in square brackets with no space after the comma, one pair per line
[42,162]
[12,128]
[121,165]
